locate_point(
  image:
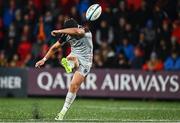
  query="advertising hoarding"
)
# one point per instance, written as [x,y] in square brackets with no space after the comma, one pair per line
[107,83]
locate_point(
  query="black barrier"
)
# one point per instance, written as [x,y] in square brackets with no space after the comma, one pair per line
[13,82]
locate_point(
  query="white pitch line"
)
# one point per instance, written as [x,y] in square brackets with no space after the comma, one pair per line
[91,120]
[127,120]
[130,108]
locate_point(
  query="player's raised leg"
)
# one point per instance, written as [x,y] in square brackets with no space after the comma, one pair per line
[71,95]
[69,63]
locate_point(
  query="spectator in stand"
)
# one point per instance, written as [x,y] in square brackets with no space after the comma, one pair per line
[26,20]
[9,13]
[18,19]
[34,4]
[154,64]
[143,45]
[98,60]
[12,31]
[106,11]
[40,29]
[36,48]
[74,14]
[3,60]
[24,49]
[129,33]
[33,7]
[165,30]
[59,22]
[149,32]
[26,32]
[104,33]
[32,16]
[138,60]
[141,42]
[107,54]
[142,14]
[54,7]
[159,15]
[65,5]
[172,62]
[10,46]
[150,36]
[163,49]
[174,45]
[122,61]
[134,4]
[48,25]
[127,48]
[121,11]
[29,61]
[82,7]
[176,31]
[15,61]
[119,30]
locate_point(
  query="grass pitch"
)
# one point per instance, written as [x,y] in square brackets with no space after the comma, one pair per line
[40,109]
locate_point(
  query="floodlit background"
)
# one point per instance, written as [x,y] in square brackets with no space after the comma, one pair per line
[136,56]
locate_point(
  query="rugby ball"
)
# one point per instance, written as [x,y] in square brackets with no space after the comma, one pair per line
[93,12]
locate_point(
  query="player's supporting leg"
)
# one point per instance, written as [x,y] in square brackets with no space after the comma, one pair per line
[71,95]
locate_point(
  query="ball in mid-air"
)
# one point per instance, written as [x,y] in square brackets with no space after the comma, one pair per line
[93,12]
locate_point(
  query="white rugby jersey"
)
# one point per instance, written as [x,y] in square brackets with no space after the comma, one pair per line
[82,47]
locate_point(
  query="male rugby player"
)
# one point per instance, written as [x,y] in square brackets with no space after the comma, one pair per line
[80,58]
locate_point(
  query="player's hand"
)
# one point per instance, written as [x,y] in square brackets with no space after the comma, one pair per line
[55,32]
[40,63]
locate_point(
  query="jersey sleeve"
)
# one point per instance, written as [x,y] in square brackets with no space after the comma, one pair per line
[64,38]
[88,34]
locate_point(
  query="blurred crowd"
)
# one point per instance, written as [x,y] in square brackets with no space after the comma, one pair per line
[130,34]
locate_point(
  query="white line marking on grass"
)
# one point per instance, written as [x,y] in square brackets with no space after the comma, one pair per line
[130,108]
[88,120]
[127,120]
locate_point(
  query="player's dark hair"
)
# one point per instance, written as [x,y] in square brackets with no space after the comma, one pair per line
[70,23]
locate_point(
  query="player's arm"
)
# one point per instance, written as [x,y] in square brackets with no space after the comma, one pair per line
[70,31]
[53,49]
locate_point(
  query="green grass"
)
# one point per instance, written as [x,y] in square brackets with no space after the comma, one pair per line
[40,109]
